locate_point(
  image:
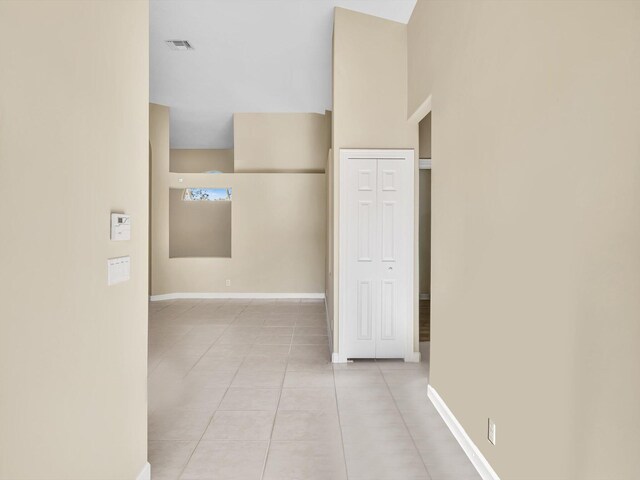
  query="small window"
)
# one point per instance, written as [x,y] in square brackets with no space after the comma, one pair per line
[207,194]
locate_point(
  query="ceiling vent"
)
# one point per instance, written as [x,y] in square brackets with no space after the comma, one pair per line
[179,45]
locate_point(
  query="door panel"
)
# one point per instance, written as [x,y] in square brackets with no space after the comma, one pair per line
[388,231]
[395,190]
[366,235]
[388,180]
[378,234]
[388,317]
[366,179]
[361,252]
[365,310]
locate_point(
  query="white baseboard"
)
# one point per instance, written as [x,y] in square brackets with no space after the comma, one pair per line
[425,296]
[337,358]
[477,459]
[145,473]
[413,357]
[329,329]
[187,295]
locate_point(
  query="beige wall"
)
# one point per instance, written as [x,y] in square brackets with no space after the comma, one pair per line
[536,228]
[369,104]
[278,229]
[424,227]
[424,135]
[200,160]
[284,142]
[73,148]
[160,160]
[198,228]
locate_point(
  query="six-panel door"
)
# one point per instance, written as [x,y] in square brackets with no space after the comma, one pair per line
[379,203]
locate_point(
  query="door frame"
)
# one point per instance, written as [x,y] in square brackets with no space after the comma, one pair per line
[407,155]
[423,164]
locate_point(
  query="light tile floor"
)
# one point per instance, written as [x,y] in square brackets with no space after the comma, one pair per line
[244,389]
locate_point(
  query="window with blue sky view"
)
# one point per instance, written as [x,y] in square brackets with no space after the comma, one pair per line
[207,194]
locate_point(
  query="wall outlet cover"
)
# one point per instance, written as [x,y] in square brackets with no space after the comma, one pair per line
[491,432]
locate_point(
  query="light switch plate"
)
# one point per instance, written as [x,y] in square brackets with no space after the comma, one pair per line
[118,270]
[120,227]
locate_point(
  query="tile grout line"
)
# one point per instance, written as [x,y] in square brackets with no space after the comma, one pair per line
[226,389]
[275,415]
[215,341]
[335,391]
[219,402]
[404,422]
[266,457]
[164,353]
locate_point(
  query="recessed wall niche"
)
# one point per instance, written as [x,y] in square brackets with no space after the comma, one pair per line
[200,222]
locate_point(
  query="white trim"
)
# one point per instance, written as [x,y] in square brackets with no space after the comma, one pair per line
[329,329]
[387,154]
[413,357]
[424,164]
[337,358]
[177,296]
[425,296]
[375,154]
[477,459]
[145,473]
[422,111]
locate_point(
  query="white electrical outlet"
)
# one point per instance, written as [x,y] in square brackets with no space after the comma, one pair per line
[228,283]
[491,435]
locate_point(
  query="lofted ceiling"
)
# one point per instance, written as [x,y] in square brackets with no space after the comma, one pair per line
[248,56]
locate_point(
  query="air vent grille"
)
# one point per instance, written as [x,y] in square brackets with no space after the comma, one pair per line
[179,45]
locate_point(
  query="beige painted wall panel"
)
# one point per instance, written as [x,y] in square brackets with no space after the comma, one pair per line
[370,68]
[201,160]
[278,229]
[536,227]
[425,231]
[369,108]
[198,228]
[160,160]
[278,238]
[281,142]
[424,135]
[73,148]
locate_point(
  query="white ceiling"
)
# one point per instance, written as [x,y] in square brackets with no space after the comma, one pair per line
[249,56]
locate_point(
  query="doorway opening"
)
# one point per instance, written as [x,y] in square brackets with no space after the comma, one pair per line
[424,227]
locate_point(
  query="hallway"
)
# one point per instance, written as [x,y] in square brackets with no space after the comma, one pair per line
[243,389]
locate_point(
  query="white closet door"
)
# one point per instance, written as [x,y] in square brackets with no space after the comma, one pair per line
[362,258]
[394,218]
[377,224]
